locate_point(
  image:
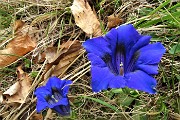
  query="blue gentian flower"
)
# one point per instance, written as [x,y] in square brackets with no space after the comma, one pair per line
[54,95]
[123,58]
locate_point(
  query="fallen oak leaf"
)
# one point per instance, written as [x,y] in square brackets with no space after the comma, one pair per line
[61,59]
[16,48]
[1,97]
[51,54]
[23,88]
[13,89]
[113,21]
[21,29]
[36,116]
[18,25]
[54,56]
[64,63]
[85,18]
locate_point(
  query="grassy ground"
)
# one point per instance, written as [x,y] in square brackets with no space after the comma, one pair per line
[55,24]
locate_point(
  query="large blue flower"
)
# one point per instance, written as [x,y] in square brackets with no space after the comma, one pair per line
[54,95]
[123,58]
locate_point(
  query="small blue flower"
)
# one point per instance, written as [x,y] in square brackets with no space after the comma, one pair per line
[123,58]
[54,95]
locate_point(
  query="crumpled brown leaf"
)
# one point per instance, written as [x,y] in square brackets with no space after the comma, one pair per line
[63,58]
[16,48]
[85,18]
[18,91]
[1,97]
[19,46]
[18,25]
[36,116]
[113,21]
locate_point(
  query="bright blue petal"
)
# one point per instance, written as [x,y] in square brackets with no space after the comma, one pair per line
[41,93]
[54,82]
[63,101]
[151,54]
[149,69]
[96,60]
[65,88]
[102,79]
[41,106]
[141,81]
[99,46]
[62,110]
[117,82]
[121,40]
[61,85]
[143,41]
[124,34]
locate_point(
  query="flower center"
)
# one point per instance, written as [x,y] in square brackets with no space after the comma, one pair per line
[50,99]
[121,71]
[56,93]
[119,63]
[120,59]
[55,97]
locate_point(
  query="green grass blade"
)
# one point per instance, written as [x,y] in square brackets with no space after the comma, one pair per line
[102,102]
[153,22]
[160,6]
[153,12]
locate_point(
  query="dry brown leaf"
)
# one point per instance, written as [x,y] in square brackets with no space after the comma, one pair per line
[1,97]
[13,89]
[16,48]
[64,63]
[18,25]
[36,117]
[113,21]
[21,29]
[63,58]
[51,54]
[22,90]
[85,18]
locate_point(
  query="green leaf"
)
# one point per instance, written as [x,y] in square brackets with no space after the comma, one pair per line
[34,74]
[160,19]
[117,90]
[102,102]
[175,49]
[160,6]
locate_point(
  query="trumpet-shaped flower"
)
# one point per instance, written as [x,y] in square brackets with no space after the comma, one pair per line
[54,95]
[123,58]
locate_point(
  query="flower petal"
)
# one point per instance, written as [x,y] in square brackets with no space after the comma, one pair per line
[55,82]
[121,41]
[63,101]
[62,110]
[151,54]
[61,85]
[41,93]
[41,106]
[102,79]
[66,86]
[124,34]
[143,41]
[99,46]
[117,82]
[149,69]
[141,81]
[96,60]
